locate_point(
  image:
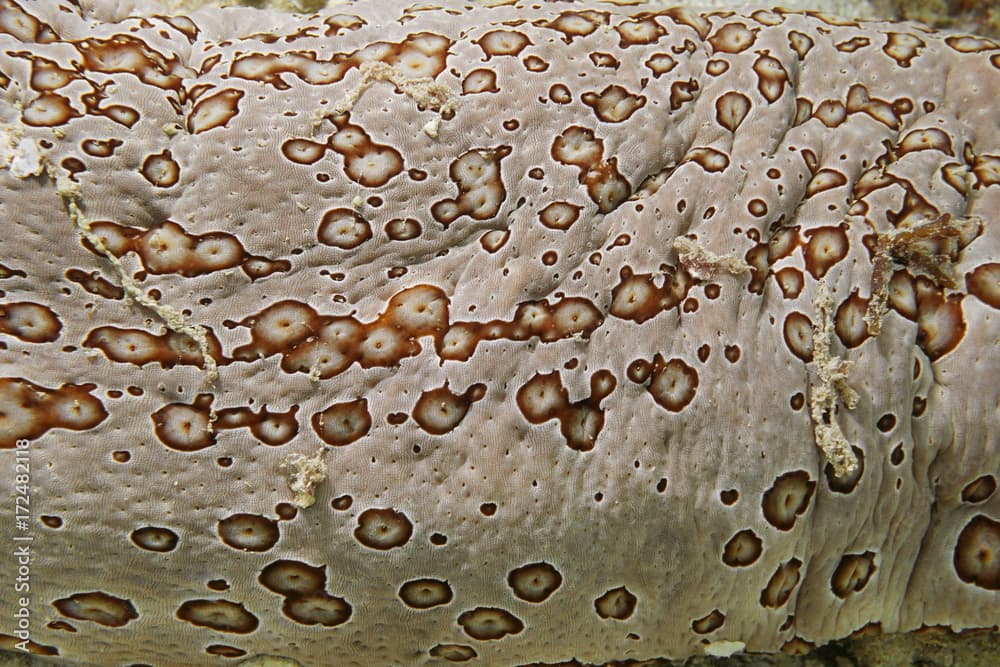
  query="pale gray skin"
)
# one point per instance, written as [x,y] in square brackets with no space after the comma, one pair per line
[669,479]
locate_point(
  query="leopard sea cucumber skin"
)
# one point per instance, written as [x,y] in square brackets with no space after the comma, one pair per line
[420,334]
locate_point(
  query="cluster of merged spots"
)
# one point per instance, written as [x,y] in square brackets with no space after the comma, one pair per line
[323,346]
[120,54]
[578,147]
[499,204]
[544,397]
[364,161]
[419,55]
[190,427]
[672,384]
[28,410]
[566,318]
[95,284]
[480,189]
[167,249]
[304,588]
[638,298]
[135,346]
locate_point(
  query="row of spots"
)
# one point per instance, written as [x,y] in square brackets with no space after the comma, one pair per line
[324,346]
[941,324]
[419,55]
[138,347]
[192,427]
[568,317]
[167,249]
[306,601]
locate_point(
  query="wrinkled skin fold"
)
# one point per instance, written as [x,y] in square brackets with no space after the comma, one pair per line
[420,335]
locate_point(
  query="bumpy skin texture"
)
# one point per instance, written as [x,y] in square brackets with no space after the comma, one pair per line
[558,310]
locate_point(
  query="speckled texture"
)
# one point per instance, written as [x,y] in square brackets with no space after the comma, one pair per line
[447,326]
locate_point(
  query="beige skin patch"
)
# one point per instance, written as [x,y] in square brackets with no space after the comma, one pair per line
[405,333]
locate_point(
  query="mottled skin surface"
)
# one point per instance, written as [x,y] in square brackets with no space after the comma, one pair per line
[559,311]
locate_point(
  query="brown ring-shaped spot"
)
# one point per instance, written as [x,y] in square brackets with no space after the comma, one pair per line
[489,623]
[219,615]
[425,593]
[453,652]
[154,538]
[343,423]
[742,549]
[673,384]
[979,489]
[249,532]
[383,529]
[977,553]
[709,622]
[617,603]
[853,573]
[318,608]
[848,482]
[781,584]
[534,582]
[98,607]
[292,578]
[787,498]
